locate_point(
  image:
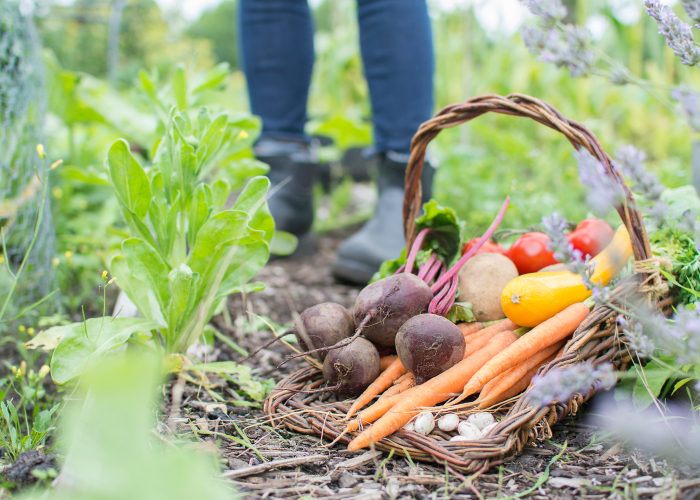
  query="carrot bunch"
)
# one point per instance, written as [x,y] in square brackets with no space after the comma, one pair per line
[497,364]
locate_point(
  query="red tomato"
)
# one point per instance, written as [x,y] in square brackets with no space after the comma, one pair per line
[529,253]
[591,236]
[487,247]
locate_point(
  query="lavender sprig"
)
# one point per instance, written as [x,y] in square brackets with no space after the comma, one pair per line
[632,163]
[679,36]
[549,11]
[564,48]
[554,226]
[690,105]
[680,337]
[560,384]
[692,7]
[638,341]
[603,192]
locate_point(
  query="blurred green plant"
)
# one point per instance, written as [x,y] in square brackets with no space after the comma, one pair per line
[121,394]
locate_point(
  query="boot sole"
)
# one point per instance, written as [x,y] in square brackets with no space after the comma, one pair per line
[307,244]
[352,271]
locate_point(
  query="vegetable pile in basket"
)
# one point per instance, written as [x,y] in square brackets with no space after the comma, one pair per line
[471,323]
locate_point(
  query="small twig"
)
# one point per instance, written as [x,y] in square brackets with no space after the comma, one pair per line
[267,344]
[289,462]
[342,343]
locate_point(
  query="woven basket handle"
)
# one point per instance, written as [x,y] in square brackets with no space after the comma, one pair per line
[517,105]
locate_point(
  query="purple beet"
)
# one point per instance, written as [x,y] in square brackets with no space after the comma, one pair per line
[324,325]
[428,345]
[383,306]
[352,368]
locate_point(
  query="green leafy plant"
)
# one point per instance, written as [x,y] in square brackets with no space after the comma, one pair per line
[12,436]
[185,253]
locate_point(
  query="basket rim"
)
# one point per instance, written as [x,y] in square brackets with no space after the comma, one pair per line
[520,105]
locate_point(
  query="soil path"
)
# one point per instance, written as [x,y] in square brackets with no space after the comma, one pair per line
[273,463]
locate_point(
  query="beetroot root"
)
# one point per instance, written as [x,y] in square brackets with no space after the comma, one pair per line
[389,303]
[350,369]
[323,325]
[428,345]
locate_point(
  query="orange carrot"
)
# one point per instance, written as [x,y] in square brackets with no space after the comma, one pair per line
[479,339]
[511,376]
[543,335]
[386,361]
[432,392]
[383,382]
[390,397]
[468,329]
[522,384]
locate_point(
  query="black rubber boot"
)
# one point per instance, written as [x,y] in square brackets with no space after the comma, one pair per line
[381,238]
[293,172]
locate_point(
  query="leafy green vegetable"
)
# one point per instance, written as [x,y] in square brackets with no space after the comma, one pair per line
[446,243]
[448,227]
[461,311]
[184,254]
[679,247]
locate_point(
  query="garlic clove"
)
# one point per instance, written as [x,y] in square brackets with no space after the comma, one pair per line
[481,419]
[448,422]
[468,430]
[424,423]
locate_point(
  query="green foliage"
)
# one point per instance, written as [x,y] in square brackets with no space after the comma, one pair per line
[78,33]
[184,253]
[110,451]
[239,375]
[680,248]
[15,438]
[218,24]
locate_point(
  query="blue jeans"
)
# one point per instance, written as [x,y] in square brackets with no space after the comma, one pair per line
[397,51]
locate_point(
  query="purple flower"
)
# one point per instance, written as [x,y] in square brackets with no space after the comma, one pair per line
[631,161]
[603,191]
[679,36]
[678,337]
[690,105]
[560,384]
[619,75]
[534,38]
[549,11]
[569,49]
[639,342]
[554,226]
[692,7]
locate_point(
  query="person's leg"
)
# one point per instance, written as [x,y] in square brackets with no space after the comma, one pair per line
[276,40]
[397,51]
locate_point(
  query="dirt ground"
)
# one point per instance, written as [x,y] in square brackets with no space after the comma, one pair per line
[262,462]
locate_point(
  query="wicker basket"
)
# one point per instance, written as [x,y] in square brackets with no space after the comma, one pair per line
[596,340]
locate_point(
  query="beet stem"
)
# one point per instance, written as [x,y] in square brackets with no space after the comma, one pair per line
[433,307]
[400,270]
[417,245]
[446,303]
[432,272]
[340,344]
[425,268]
[267,344]
[448,275]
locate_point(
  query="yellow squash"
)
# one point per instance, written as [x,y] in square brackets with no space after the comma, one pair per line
[530,299]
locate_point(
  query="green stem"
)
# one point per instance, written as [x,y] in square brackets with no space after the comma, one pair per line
[37,225]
